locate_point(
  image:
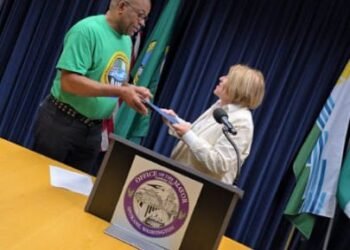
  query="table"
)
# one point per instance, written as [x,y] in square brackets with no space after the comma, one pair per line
[35,215]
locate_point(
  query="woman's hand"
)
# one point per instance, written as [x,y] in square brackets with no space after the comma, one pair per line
[169,112]
[181,128]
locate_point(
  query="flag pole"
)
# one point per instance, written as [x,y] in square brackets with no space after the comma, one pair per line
[328,234]
[290,237]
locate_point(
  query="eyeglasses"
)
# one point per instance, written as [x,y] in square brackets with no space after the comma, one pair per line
[140,13]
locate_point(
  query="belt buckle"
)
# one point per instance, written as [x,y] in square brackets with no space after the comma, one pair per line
[87,122]
[71,112]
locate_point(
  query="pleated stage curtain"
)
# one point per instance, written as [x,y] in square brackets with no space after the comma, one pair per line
[301,46]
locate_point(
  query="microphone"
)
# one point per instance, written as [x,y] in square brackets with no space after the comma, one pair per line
[221,117]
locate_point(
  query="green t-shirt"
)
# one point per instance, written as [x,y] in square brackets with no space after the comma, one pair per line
[93,49]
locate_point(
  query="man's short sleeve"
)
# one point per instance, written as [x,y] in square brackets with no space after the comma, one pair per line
[77,52]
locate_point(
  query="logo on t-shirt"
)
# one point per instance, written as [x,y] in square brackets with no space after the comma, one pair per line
[117,70]
[156,203]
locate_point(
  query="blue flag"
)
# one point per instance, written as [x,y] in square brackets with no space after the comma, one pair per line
[319,161]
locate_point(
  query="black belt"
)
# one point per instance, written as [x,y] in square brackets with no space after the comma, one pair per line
[70,111]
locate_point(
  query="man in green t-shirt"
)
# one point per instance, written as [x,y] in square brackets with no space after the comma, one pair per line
[92,73]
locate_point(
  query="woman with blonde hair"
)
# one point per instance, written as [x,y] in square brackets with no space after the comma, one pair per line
[203,145]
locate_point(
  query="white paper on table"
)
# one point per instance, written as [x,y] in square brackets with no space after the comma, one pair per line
[78,183]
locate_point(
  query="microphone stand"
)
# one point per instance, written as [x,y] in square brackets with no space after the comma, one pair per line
[226,131]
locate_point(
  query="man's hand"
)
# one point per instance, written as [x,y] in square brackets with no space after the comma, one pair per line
[143,92]
[133,96]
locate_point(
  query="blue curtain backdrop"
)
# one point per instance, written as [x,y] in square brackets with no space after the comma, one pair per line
[301,46]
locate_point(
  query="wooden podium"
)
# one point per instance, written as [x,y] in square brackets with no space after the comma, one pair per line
[211,212]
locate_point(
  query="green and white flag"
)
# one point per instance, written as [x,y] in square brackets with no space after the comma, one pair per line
[343,194]
[146,72]
[318,162]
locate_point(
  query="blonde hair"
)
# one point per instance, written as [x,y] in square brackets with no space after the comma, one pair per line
[245,86]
